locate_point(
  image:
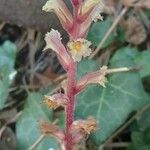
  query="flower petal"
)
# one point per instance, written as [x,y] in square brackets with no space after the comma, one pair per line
[87,6]
[93,13]
[79,48]
[61,10]
[53,41]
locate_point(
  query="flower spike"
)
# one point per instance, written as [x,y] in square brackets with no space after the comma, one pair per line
[79,48]
[56,100]
[53,41]
[61,10]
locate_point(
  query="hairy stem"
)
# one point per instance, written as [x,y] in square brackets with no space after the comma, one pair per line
[70,107]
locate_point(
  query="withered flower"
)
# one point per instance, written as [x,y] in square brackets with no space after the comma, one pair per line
[56,100]
[81,128]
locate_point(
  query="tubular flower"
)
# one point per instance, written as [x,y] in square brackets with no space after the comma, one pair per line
[81,128]
[96,13]
[61,10]
[89,11]
[79,48]
[51,129]
[92,78]
[53,41]
[90,7]
[56,100]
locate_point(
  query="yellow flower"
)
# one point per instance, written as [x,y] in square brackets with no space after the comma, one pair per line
[79,48]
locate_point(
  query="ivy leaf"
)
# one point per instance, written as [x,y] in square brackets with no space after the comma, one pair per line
[7,60]
[143,61]
[98,31]
[141,137]
[144,120]
[112,105]
[140,140]
[28,128]
[124,52]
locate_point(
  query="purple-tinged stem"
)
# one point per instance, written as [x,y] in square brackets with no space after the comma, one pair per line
[75,2]
[70,107]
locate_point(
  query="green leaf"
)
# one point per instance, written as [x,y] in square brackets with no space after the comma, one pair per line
[98,31]
[144,120]
[147,13]
[137,138]
[141,140]
[28,129]
[112,105]
[143,61]
[7,60]
[125,52]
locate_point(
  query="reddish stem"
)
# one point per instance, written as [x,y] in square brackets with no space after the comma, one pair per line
[75,2]
[70,107]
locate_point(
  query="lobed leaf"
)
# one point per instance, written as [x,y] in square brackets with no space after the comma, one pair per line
[143,62]
[28,128]
[98,31]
